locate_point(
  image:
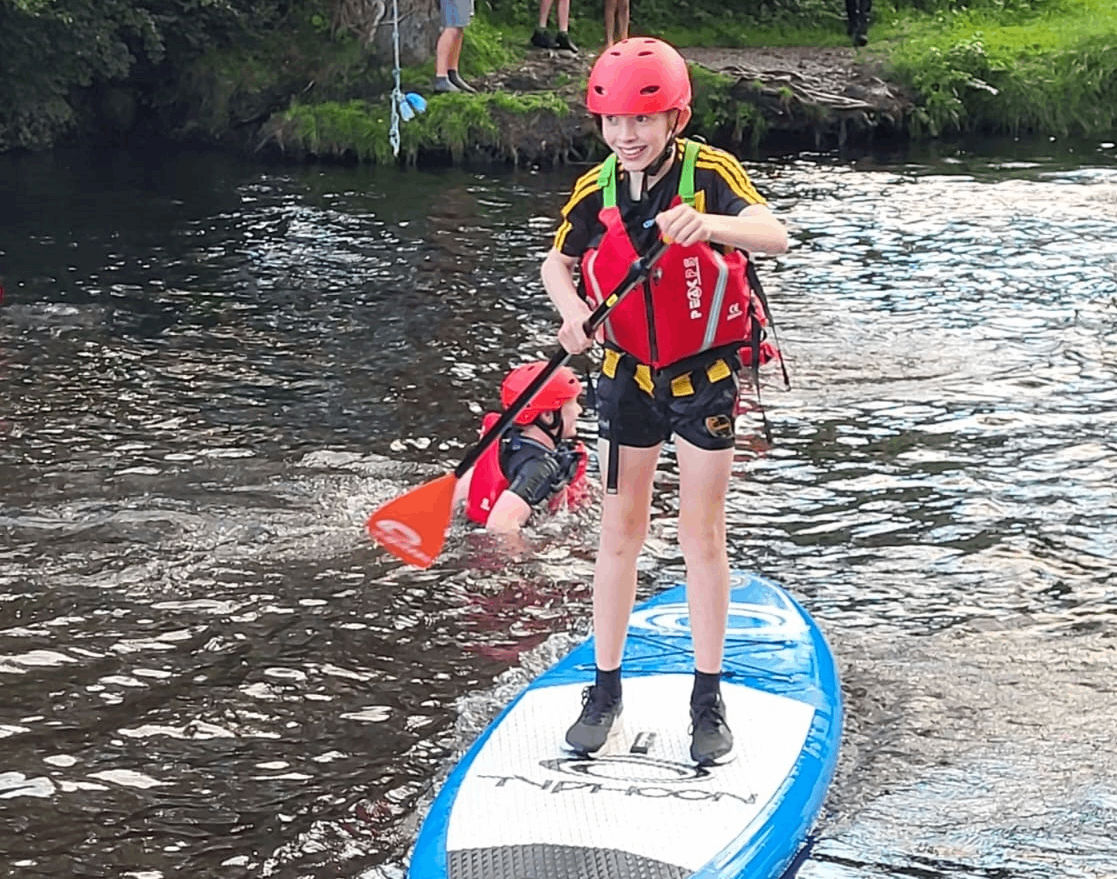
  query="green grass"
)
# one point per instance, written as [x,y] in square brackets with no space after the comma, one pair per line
[717,115]
[1052,69]
[453,123]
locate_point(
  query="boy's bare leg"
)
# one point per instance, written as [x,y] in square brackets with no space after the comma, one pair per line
[624,525]
[703,483]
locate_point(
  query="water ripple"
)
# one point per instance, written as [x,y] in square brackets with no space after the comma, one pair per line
[213,372]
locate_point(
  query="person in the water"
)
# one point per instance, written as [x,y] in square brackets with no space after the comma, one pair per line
[538,461]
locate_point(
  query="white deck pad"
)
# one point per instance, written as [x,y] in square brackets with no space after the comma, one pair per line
[524,790]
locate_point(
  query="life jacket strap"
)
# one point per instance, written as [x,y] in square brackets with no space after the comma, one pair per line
[612,463]
[607,181]
[758,289]
[754,373]
[607,176]
[686,176]
[609,366]
[678,377]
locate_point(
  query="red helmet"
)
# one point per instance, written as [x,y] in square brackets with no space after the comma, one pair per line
[638,75]
[559,388]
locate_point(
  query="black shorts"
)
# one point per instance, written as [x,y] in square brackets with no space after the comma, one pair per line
[640,407]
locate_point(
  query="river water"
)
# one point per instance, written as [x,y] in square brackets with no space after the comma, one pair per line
[211,371]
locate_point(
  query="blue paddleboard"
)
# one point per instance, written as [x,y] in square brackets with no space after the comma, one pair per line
[519,805]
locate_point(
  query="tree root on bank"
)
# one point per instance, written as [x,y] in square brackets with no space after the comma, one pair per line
[807,89]
[797,88]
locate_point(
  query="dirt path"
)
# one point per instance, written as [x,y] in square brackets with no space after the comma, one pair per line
[837,66]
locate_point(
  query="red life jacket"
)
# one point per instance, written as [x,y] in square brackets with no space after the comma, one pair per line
[697,298]
[488,481]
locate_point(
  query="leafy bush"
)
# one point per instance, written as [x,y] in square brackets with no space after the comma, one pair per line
[52,49]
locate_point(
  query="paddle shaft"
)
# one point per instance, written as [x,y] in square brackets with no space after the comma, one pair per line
[637,272]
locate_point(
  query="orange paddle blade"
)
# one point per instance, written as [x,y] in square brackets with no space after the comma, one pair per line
[413,526]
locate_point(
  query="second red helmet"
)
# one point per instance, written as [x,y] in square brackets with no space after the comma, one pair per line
[559,388]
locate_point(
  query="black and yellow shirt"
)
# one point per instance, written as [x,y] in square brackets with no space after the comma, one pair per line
[721,186]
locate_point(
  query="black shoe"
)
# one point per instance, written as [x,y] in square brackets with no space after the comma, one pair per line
[542,39]
[591,731]
[710,738]
[457,80]
[562,41]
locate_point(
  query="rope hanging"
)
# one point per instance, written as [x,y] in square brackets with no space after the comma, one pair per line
[397,93]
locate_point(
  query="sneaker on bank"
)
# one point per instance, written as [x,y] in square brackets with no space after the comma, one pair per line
[710,738]
[542,39]
[562,41]
[457,80]
[443,84]
[590,732]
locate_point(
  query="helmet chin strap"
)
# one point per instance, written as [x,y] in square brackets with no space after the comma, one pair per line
[656,164]
[555,429]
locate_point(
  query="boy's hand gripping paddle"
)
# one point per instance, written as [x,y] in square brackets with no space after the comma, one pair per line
[413,526]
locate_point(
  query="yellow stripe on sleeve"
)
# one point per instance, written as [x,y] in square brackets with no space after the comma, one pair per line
[585,184]
[560,235]
[731,172]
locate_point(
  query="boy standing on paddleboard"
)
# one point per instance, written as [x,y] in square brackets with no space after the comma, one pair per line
[671,356]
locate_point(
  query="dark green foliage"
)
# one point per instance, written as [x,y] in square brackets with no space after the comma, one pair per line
[52,50]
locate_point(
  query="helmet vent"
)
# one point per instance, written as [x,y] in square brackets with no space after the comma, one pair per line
[649,90]
[599,90]
[645,53]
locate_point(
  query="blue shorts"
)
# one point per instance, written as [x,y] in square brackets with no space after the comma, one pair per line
[456,13]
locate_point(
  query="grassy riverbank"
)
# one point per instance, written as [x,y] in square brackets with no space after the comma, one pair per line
[1000,66]
[298,81]
[536,118]
[1043,67]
